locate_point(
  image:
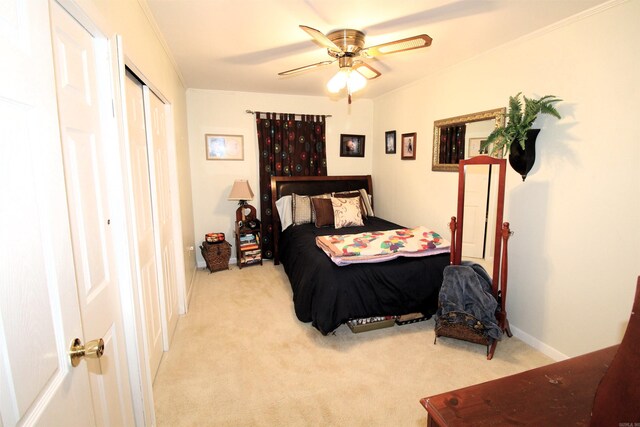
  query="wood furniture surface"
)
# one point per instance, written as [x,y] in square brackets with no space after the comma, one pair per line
[559,394]
[617,400]
[247,237]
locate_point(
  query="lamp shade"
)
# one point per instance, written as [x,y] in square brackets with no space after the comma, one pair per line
[339,81]
[241,190]
[352,79]
[356,81]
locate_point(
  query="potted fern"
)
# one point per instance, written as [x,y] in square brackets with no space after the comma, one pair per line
[520,118]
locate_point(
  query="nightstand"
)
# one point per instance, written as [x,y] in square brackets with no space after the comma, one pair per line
[248,237]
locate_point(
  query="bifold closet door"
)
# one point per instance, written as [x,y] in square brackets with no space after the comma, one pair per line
[162,210]
[146,245]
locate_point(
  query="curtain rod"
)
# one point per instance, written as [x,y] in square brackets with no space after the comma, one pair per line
[297,114]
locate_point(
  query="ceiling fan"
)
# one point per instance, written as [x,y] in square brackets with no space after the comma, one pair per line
[348,48]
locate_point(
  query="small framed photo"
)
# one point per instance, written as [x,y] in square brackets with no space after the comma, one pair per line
[475,147]
[408,148]
[390,142]
[351,145]
[224,147]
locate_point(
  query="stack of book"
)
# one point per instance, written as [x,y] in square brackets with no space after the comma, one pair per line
[251,252]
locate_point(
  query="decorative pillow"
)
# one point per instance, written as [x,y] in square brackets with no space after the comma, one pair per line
[353,194]
[346,212]
[300,209]
[367,208]
[323,211]
[366,198]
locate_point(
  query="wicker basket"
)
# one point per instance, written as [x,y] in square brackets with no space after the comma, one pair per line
[462,326]
[216,255]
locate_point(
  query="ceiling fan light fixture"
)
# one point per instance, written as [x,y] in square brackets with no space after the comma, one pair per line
[347,47]
[356,81]
[346,77]
[339,81]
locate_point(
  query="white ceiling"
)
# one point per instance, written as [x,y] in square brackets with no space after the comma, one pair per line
[241,45]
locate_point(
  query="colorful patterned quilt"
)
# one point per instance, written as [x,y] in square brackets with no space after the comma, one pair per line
[379,246]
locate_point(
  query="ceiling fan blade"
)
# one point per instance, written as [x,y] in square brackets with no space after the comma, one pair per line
[321,38]
[410,43]
[367,71]
[306,67]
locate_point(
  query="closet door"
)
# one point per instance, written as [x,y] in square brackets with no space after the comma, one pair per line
[163,217]
[146,253]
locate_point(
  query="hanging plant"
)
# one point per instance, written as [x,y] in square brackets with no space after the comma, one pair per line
[519,121]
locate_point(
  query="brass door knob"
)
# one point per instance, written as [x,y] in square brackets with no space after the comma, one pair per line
[93,349]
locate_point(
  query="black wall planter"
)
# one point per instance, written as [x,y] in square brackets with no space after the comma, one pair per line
[522,160]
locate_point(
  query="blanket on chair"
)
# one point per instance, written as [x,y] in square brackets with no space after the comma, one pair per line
[466,290]
[379,246]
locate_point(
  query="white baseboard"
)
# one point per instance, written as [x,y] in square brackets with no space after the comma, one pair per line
[538,345]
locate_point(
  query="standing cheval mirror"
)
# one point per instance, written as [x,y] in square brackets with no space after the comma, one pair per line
[478,233]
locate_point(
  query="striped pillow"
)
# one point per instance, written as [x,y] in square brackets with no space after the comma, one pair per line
[301,209]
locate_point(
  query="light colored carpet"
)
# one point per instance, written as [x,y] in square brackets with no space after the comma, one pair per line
[240,357]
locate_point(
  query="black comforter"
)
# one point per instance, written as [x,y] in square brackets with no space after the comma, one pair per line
[328,295]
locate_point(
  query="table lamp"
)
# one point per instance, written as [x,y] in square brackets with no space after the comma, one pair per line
[241,191]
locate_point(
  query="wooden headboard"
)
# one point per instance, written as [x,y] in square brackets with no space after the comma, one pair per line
[310,186]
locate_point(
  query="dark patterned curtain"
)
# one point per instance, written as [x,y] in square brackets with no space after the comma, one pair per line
[452,144]
[290,145]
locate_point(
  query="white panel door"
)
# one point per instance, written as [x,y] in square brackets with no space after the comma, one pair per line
[84,103]
[475,211]
[163,219]
[39,313]
[146,255]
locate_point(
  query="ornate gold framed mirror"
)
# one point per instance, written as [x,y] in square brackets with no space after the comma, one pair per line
[459,138]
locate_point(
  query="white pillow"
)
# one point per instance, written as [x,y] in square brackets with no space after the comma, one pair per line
[346,212]
[283,205]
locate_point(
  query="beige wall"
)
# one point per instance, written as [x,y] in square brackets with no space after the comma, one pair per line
[574,257]
[225,113]
[144,51]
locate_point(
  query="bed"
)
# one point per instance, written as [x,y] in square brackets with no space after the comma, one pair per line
[328,295]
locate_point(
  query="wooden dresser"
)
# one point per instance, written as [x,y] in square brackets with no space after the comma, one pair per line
[558,394]
[596,389]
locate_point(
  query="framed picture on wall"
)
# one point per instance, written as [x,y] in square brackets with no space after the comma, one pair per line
[224,147]
[408,148]
[475,149]
[351,145]
[390,142]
